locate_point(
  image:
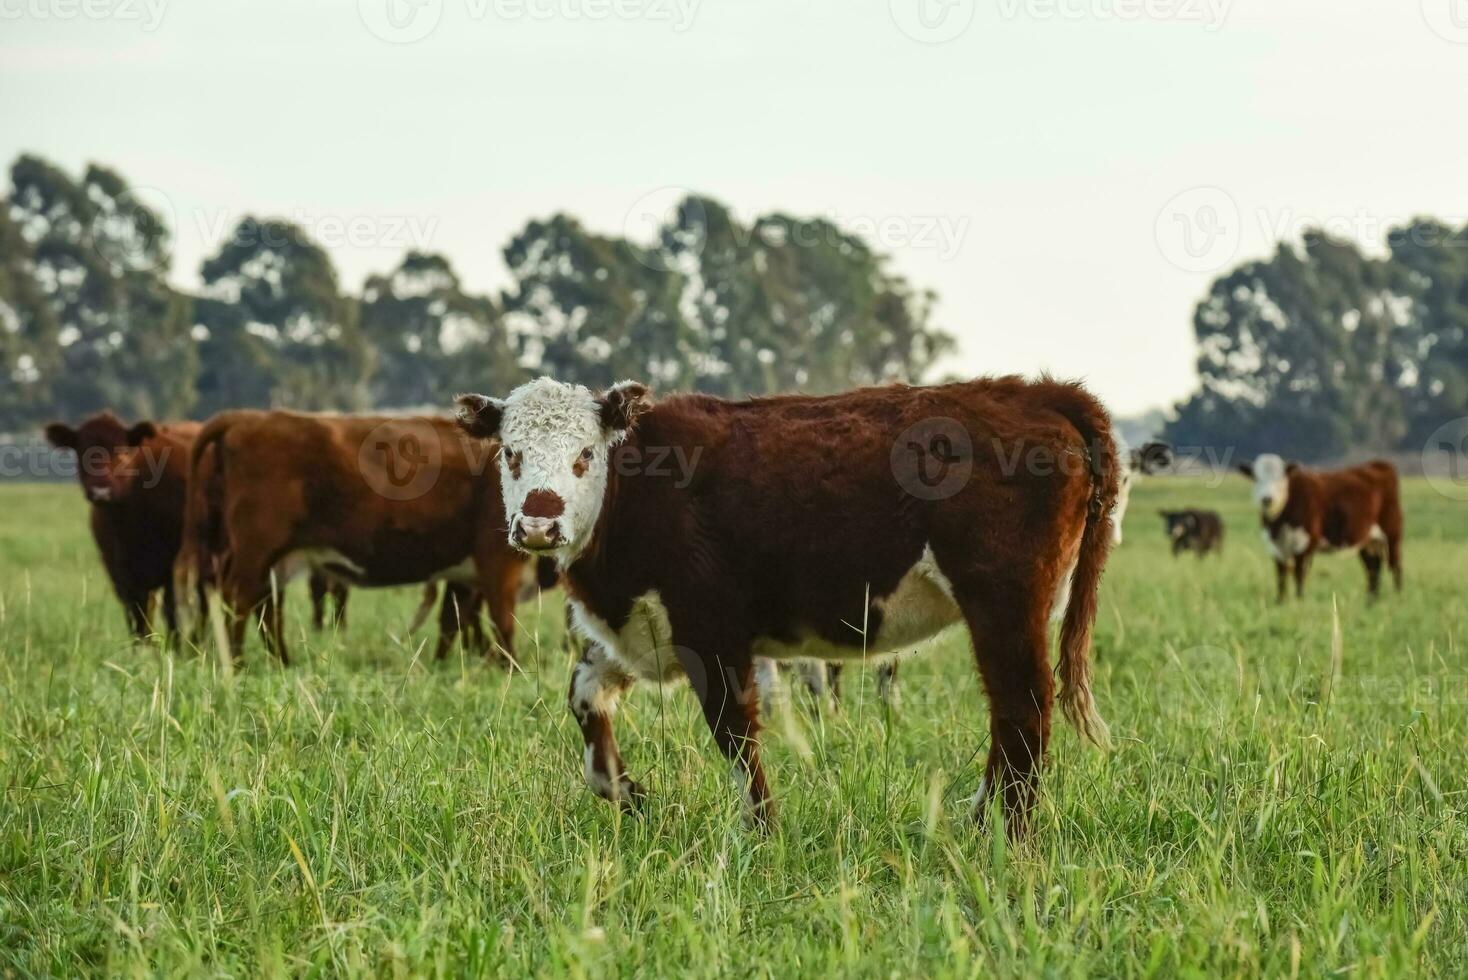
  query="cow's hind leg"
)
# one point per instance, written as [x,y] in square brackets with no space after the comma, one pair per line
[139,606]
[729,697]
[1371,558]
[450,618]
[1007,624]
[597,684]
[170,609]
[272,619]
[887,688]
[1394,557]
[339,593]
[319,588]
[248,591]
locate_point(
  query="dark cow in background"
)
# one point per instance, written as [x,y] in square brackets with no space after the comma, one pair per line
[1309,511]
[1198,531]
[135,478]
[803,531]
[359,500]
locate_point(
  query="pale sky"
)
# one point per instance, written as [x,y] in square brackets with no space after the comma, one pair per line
[1067,174]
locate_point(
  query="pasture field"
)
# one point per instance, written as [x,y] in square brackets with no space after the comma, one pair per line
[1278,801]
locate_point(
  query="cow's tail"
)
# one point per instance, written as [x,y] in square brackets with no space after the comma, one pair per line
[197,559]
[1094,425]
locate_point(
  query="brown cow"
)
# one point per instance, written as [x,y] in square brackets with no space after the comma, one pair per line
[828,527]
[135,478]
[364,501]
[1307,511]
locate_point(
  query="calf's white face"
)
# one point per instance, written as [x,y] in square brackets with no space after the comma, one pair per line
[1271,483]
[555,442]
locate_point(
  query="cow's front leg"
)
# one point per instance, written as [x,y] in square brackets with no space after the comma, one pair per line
[1281,576]
[730,699]
[597,684]
[1302,566]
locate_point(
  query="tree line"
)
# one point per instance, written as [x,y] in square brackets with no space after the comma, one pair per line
[1316,351]
[89,319]
[1321,350]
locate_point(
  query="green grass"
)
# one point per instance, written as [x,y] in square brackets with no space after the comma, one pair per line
[365,811]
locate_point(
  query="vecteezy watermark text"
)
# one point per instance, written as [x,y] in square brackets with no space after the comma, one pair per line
[407,21]
[147,14]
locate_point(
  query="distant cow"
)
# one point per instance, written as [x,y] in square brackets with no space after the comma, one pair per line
[134,477]
[827,527]
[1308,511]
[363,501]
[1198,531]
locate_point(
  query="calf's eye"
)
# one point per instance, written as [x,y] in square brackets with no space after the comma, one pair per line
[586,455]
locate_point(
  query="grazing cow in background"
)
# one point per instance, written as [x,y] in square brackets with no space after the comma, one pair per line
[1199,531]
[362,501]
[1151,458]
[135,478]
[1307,511]
[831,527]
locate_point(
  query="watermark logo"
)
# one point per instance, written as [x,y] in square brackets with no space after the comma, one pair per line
[1445,459]
[401,459]
[656,211]
[932,21]
[933,459]
[1448,19]
[132,235]
[400,21]
[1210,13]
[1199,229]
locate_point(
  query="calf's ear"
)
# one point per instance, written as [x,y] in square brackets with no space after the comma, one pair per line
[1247,469]
[1291,468]
[479,415]
[61,436]
[140,433]
[622,403]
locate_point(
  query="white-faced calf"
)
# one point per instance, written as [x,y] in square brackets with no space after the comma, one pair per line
[809,528]
[1309,511]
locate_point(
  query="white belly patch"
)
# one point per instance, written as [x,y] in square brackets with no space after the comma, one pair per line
[1375,541]
[644,644]
[917,610]
[1288,542]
